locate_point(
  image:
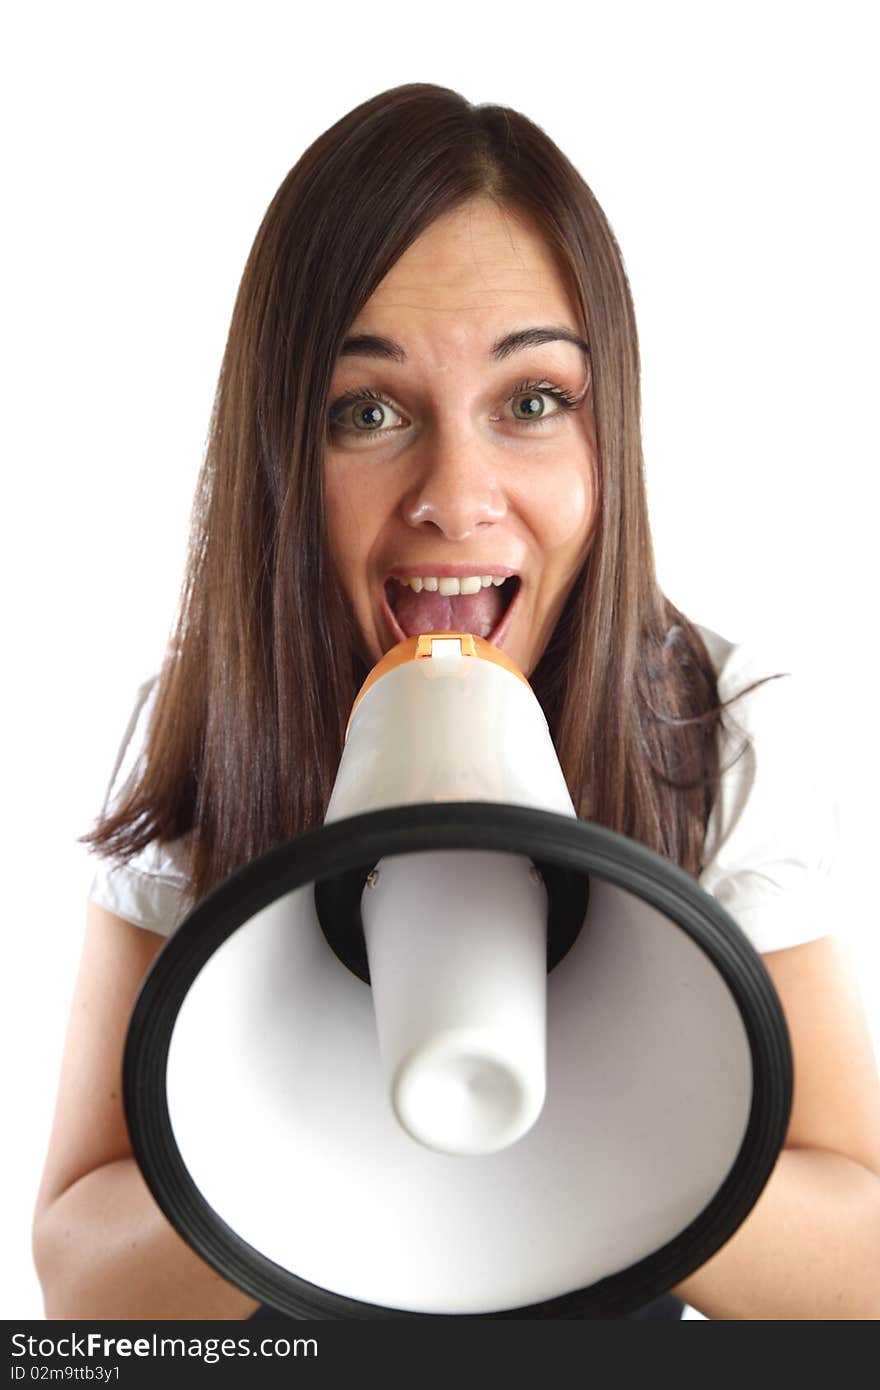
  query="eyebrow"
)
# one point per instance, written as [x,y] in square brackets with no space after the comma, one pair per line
[534,337]
[374,345]
[371,345]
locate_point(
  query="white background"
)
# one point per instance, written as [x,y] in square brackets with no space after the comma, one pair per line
[733,149]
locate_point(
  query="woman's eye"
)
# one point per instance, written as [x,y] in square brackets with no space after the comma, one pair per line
[533,405]
[362,412]
[367,414]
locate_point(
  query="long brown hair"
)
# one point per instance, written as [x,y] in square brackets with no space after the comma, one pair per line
[263,668]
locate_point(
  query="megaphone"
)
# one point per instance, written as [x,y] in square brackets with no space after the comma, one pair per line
[456,1052]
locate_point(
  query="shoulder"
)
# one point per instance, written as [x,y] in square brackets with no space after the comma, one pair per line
[773,829]
[739,665]
[769,703]
[151,888]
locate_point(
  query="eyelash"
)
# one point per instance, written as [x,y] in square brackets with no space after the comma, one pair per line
[563,397]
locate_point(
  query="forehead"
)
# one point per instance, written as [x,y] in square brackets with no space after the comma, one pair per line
[475,273]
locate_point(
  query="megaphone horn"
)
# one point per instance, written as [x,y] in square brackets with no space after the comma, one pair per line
[468,1134]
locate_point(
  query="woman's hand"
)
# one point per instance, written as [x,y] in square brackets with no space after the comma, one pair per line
[102,1246]
[810,1248]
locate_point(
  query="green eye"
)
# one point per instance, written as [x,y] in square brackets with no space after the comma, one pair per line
[529,405]
[368,417]
[363,412]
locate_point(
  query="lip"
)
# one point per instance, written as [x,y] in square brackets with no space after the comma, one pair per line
[496,636]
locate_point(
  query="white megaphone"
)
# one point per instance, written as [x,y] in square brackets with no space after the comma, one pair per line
[562,1089]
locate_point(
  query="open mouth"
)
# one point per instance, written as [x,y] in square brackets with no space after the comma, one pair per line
[486,613]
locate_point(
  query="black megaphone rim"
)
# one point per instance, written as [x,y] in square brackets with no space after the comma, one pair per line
[344,845]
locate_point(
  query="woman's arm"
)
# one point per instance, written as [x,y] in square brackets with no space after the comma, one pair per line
[101,1245]
[810,1248]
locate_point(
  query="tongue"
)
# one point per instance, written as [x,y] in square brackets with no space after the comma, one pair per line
[426,612]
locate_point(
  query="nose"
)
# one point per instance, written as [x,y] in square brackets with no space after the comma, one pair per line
[455,488]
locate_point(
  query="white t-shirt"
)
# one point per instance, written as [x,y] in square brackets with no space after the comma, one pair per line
[770,842]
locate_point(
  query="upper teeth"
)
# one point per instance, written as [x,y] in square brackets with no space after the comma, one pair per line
[470,585]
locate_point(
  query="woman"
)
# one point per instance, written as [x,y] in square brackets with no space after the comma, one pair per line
[432,374]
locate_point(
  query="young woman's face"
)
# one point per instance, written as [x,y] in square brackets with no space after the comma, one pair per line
[462,443]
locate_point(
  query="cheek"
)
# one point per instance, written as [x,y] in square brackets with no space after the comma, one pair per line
[565,509]
[347,518]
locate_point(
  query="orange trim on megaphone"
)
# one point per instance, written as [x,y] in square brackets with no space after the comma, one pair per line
[417,648]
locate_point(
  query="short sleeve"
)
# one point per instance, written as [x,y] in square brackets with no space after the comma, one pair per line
[773,830]
[151,889]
